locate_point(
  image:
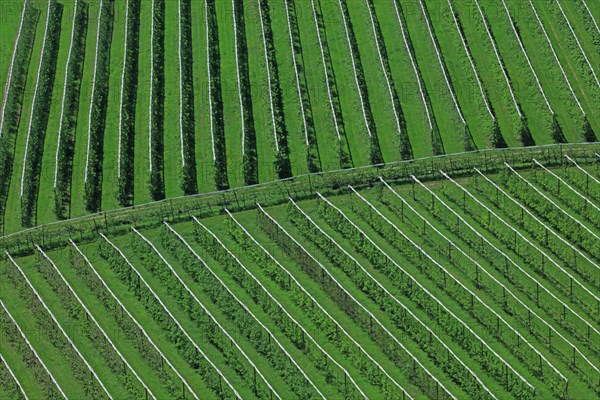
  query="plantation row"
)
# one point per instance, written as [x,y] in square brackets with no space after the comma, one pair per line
[451,290]
[211,95]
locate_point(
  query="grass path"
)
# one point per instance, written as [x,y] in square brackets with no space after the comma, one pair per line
[231,105]
[205,165]
[317,87]
[172,150]
[77,202]
[451,129]
[356,131]
[405,80]
[111,132]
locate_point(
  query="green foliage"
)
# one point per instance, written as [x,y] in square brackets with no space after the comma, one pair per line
[189,183]
[250,157]
[157,108]
[66,150]
[283,167]
[40,113]
[93,185]
[218,123]
[14,102]
[129,97]
[556,132]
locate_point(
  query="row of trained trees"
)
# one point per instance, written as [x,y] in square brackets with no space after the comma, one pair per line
[128,104]
[174,332]
[250,156]
[98,106]
[156,180]
[40,113]
[189,183]
[84,320]
[13,100]
[283,166]
[216,97]
[68,124]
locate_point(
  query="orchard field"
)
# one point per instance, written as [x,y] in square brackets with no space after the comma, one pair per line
[280,199]
[442,285]
[110,104]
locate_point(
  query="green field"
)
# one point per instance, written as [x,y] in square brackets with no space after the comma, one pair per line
[424,75]
[300,199]
[465,287]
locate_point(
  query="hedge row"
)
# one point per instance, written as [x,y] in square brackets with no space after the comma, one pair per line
[312,151]
[437,146]
[283,166]
[93,184]
[216,96]
[250,156]
[40,113]
[375,155]
[14,102]
[66,148]
[128,103]
[189,183]
[405,148]
[156,180]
